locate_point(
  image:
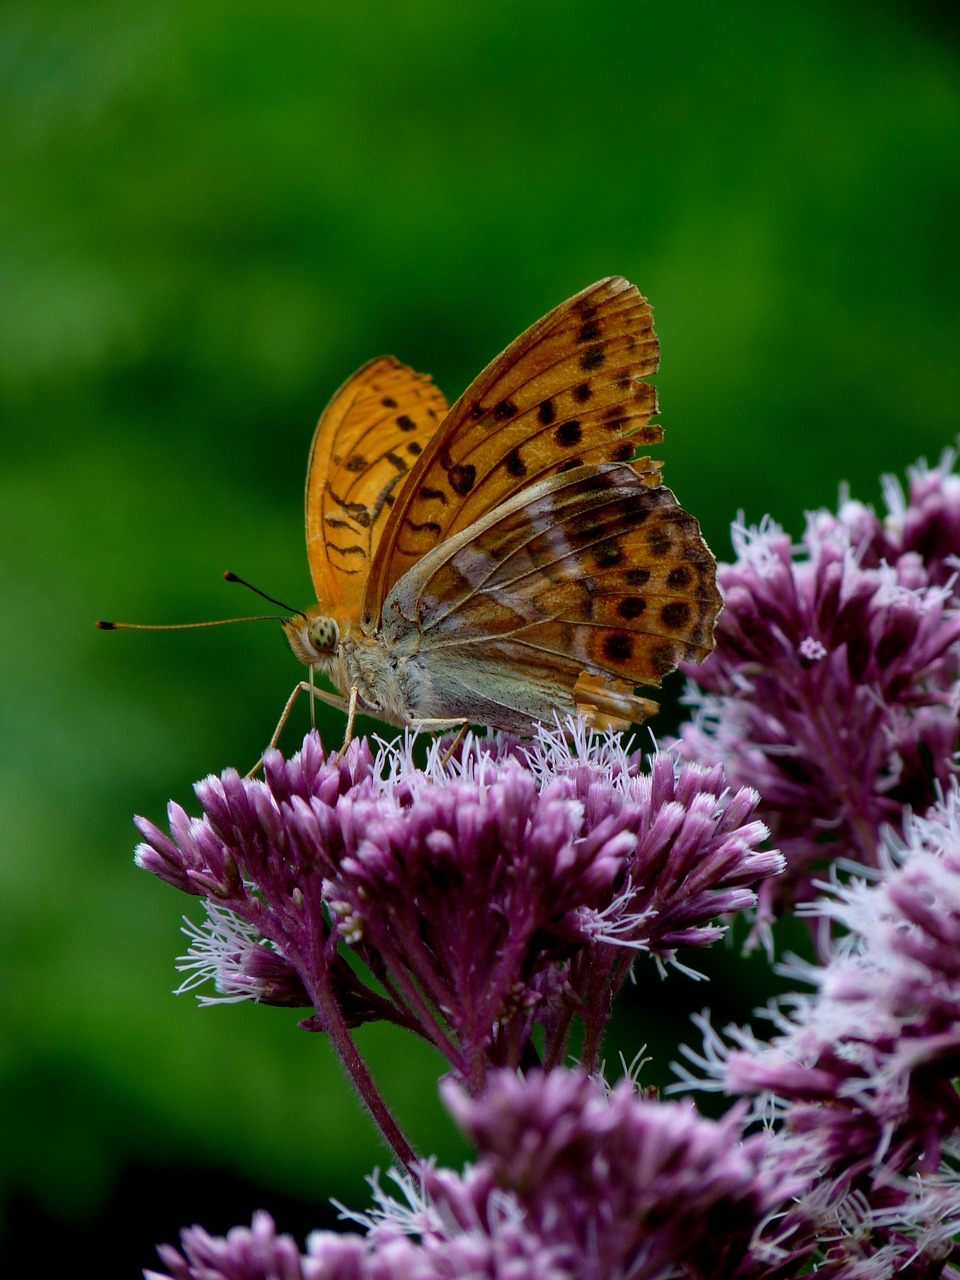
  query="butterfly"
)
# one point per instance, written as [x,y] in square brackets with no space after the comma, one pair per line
[509,557]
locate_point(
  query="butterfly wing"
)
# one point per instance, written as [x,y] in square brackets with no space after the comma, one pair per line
[563,598]
[367,441]
[565,393]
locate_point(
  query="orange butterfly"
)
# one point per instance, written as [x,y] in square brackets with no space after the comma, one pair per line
[509,557]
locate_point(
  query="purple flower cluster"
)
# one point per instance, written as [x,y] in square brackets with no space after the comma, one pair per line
[509,890]
[834,687]
[854,1176]
[572,1183]
[491,902]
[861,1074]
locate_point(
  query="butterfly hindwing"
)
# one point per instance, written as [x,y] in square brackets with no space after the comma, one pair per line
[565,393]
[366,443]
[572,592]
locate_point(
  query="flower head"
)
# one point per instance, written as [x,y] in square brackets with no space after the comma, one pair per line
[572,1182]
[511,885]
[626,1185]
[834,688]
[861,1075]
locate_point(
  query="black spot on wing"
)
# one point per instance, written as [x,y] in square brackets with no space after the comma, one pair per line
[463,476]
[617,646]
[675,615]
[659,542]
[608,554]
[630,607]
[355,510]
[568,434]
[515,465]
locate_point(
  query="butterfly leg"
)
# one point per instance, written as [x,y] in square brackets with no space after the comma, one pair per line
[437,726]
[461,734]
[331,699]
[351,716]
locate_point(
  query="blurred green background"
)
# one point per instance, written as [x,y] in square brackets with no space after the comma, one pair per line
[210,215]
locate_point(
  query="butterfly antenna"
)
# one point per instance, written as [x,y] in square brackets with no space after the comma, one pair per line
[217,622]
[232,577]
[184,626]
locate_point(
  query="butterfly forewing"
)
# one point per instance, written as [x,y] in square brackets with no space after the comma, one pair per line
[365,445]
[565,393]
[591,571]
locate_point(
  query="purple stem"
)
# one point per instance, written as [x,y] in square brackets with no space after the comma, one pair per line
[410,992]
[335,1027]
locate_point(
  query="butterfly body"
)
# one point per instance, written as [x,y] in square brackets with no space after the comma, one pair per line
[384,667]
[510,557]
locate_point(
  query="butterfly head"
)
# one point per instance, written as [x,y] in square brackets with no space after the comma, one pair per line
[314,637]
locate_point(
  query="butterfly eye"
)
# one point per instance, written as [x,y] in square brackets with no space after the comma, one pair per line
[323,635]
